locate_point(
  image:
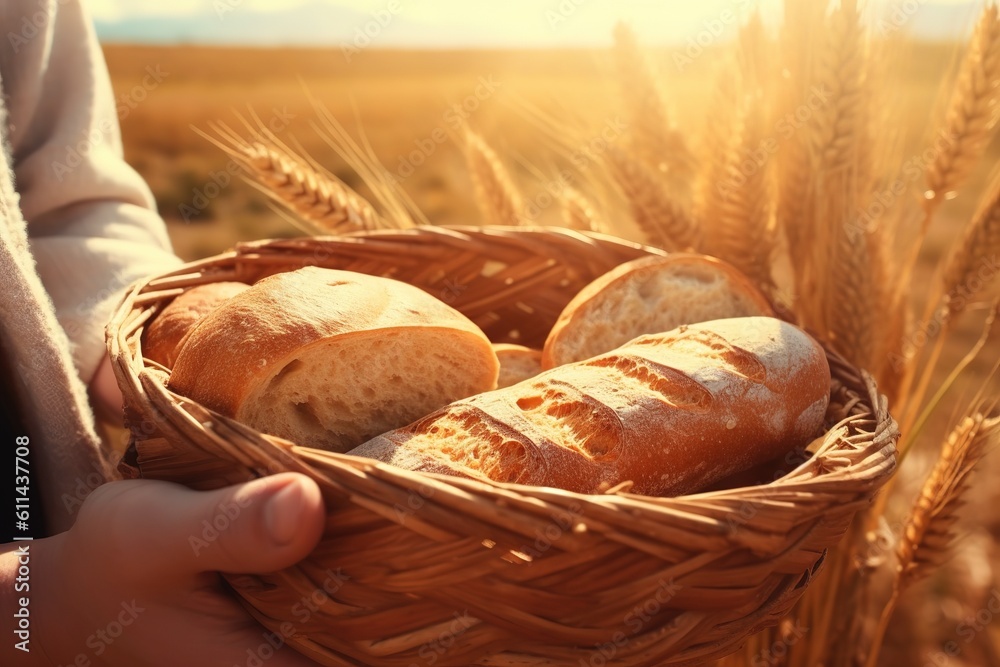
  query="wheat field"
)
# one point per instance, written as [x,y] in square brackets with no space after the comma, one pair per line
[530,137]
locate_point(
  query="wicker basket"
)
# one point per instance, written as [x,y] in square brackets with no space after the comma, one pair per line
[419,569]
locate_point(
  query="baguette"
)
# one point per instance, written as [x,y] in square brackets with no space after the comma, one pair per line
[671,413]
[329,358]
[164,335]
[646,296]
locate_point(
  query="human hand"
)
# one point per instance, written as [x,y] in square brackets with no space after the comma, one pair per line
[105,395]
[134,581]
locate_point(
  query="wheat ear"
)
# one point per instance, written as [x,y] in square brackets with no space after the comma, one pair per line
[802,27]
[499,200]
[654,137]
[579,213]
[744,231]
[716,145]
[975,258]
[663,222]
[746,225]
[929,531]
[971,117]
[843,252]
[324,203]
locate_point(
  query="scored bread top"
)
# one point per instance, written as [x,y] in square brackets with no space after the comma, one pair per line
[164,335]
[672,413]
[351,323]
[649,295]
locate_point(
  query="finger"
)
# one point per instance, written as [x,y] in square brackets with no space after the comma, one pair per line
[156,529]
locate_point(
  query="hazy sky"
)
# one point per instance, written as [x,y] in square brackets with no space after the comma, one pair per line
[536,21]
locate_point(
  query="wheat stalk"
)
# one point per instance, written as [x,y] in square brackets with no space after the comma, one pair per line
[499,200]
[654,139]
[969,124]
[663,222]
[928,533]
[578,212]
[324,203]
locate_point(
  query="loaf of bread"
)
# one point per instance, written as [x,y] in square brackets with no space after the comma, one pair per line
[646,296]
[330,358]
[671,413]
[162,338]
[517,363]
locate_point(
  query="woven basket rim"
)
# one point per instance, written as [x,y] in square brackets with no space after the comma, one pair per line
[781,529]
[150,286]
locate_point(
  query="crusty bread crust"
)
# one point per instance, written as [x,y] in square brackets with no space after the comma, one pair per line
[517,363]
[672,413]
[162,338]
[646,296]
[245,358]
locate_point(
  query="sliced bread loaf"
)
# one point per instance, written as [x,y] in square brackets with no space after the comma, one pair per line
[646,296]
[331,358]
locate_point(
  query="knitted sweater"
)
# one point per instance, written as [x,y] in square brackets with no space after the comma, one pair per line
[77,225]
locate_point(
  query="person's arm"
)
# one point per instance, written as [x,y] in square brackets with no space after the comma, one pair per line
[133,582]
[92,222]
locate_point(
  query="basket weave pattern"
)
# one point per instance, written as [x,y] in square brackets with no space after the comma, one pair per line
[418,569]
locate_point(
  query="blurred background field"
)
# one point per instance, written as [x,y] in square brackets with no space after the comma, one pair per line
[403,102]
[399,99]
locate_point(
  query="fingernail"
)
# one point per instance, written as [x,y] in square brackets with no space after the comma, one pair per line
[283,513]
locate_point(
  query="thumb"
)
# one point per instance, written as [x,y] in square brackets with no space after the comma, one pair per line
[159,529]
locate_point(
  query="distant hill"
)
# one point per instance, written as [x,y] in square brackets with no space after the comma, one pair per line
[321,24]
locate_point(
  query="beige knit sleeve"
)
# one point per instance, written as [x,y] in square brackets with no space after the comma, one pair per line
[92,222]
